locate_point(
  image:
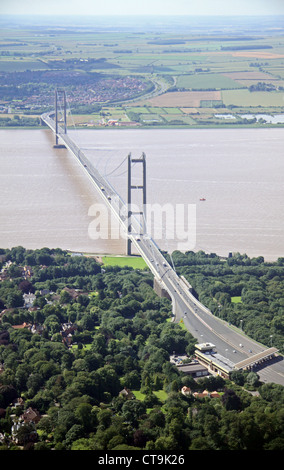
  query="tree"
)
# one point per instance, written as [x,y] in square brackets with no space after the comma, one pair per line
[85,416]
[251,436]
[200,443]
[99,344]
[166,443]
[21,376]
[238,377]
[75,432]
[52,324]
[132,410]
[7,394]
[106,380]
[231,400]
[84,444]
[252,379]
[26,434]
[65,297]
[132,380]
[26,287]
[14,299]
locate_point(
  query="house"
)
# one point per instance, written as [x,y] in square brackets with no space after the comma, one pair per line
[67,330]
[45,292]
[14,430]
[22,326]
[7,311]
[126,393]
[206,394]
[27,272]
[29,300]
[37,328]
[186,391]
[30,416]
[72,292]
[18,402]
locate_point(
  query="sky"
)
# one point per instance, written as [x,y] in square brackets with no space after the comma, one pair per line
[142,7]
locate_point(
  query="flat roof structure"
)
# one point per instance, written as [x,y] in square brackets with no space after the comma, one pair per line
[205,346]
[215,362]
[256,358]
[193,368]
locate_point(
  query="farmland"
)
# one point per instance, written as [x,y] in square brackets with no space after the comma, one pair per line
[126,74]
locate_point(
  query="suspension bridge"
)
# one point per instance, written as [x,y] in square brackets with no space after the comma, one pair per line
[237,350]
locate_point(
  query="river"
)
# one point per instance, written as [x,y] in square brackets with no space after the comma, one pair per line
[46,196]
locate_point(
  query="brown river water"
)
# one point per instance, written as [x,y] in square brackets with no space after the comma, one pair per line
[46,196]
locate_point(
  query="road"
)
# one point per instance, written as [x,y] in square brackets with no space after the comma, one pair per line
[230,342]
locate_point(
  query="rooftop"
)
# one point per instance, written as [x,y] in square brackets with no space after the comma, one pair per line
[219,360]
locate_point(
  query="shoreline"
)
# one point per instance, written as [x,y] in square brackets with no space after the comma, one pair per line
[99,256]
[220,126]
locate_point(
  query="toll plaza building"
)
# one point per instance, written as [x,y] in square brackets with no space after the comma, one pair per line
[217,364]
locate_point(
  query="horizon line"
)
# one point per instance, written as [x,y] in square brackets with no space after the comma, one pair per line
[182,15]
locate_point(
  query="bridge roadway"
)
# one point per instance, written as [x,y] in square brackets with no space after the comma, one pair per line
[230,342]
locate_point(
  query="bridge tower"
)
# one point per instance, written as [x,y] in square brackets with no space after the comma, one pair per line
[60,93]
[131,187]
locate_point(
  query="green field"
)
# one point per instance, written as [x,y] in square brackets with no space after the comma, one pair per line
[207,81]
[160,394]
[171,110]
[245,98]
[150,118]
[135,262]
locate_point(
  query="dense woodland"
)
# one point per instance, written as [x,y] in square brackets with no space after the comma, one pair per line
[121,338]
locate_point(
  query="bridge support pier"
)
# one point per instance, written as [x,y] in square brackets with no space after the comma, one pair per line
[60,92]
[130,187]
[161,291]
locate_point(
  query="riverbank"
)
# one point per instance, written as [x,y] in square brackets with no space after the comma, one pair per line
[216,125]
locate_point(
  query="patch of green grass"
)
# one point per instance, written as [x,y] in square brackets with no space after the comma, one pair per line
[87,347]
[93,294]
[172,110]
[207,81]
[155,110]
[257,98]
[236,299]
[138,395]
[21,65]
[182,325]
[160,394]
[135,262]
[150,118]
